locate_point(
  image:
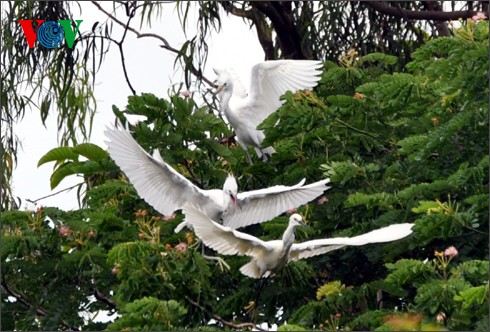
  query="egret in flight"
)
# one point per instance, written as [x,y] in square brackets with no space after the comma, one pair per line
[268,257]
[269,80]
[167,190]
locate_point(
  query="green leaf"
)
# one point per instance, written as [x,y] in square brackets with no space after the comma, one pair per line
[70,168]
[330,288]
[426,207]
[58,154]
[379,57]
[473,295]
[91,151]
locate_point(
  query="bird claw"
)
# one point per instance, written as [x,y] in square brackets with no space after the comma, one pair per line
[220,261]
[249,307]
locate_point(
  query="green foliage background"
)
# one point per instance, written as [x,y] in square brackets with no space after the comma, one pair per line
[398,146]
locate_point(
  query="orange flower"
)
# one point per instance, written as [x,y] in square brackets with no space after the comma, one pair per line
[435,121]
[141,213]
[189,238]
[438,253]
[358,96]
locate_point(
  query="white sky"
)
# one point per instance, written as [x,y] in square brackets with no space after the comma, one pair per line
[150,69]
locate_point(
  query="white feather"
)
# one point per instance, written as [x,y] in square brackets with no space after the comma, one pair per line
[269,80]
[270,256]
[318,247]
[167,190]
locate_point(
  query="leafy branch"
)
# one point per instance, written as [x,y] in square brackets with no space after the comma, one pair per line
[39,310]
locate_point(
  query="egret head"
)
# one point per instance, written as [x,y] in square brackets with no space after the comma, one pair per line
[223,81]
[230,189]
[296,220]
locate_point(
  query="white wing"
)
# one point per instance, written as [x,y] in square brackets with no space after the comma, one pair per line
[155,181]
[271,79]
[261,205]
[318,247]
[223,239]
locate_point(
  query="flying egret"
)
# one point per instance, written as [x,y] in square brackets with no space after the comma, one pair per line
[269,80]
[167,190]
[268,257]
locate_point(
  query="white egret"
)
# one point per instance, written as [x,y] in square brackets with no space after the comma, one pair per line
[167,190]
[269,80]
[270,256]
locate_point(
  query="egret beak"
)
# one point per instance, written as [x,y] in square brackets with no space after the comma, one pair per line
[219,88]
[235,202]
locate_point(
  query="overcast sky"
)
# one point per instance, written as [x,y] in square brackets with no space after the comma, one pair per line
[150,69]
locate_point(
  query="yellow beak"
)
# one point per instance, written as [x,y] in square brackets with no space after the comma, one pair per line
[219,88]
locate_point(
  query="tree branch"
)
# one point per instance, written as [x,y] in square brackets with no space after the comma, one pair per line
[264,33]
[120,44]
[104,299]
[40,311]
[50,195]
[222,321]
[283,30]
[165,45]
[419,15]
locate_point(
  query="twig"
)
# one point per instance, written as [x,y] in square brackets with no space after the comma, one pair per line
[102,298]
[123,61]
[354,128]
[165,45]
[191,172]
[222,321]
[40,311]
[50,195]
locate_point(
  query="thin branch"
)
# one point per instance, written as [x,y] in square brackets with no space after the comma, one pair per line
[123,61]
[191,172]
[165,45]
[419,15]
[102,298]
[225,322]
[40,311]
[50,195]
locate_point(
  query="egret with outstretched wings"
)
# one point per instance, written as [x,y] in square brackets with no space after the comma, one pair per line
[167,190]
[269,80]
[268,257]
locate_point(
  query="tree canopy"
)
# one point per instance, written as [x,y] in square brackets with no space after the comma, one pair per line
[402,140]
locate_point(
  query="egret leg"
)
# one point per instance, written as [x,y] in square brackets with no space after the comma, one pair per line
[221,262]
[264,156]
[244,147]
[258,290]
[249,158]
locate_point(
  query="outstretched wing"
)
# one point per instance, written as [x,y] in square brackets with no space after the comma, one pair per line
[271,79]
[261,205]
[318,247]
[155,181]
[223,239]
